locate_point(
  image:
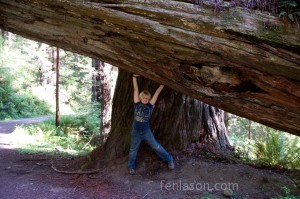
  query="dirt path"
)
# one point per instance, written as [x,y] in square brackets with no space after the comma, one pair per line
[28,176]
[25,176]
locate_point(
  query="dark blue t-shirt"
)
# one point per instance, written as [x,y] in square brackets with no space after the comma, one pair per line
[142,115]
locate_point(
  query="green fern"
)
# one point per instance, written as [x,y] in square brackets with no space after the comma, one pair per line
[280,151]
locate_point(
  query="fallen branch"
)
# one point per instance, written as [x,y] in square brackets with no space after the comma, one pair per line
[80,172]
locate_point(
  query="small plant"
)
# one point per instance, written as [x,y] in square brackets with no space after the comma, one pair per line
[245,152]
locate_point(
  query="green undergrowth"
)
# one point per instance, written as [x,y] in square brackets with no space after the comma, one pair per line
[77,135]
[276,151]
[16,104]
[287,194]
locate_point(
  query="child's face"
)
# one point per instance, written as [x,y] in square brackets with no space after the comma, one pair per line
[145,99]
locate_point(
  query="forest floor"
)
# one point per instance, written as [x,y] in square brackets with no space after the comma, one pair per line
[31,176]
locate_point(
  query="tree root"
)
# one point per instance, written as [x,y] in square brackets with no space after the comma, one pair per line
[80,172]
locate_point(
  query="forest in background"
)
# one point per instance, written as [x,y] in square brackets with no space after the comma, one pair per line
[27,89]
[28,70]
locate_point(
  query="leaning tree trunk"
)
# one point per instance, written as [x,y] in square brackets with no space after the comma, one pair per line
[177,120]
[244,62]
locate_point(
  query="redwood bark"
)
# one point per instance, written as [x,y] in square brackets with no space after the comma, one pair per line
[244,62]
[214,128]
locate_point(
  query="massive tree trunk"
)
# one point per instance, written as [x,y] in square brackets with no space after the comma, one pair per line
[244,62]
[177,120]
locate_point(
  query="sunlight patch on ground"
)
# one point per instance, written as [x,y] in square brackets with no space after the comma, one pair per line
[32,139]
[22,140]
[5,141]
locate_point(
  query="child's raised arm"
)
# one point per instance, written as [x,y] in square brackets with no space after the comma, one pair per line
[136,98]
[156,94]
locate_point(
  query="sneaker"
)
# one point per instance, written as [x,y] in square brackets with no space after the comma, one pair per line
[171,165]
[132,171]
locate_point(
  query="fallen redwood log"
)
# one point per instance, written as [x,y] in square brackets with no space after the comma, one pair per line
[245,62]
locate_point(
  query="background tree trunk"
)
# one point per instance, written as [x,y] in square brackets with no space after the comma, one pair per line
[96,80]
[214,128]
[57,115]
[106,80]
[103,84]
[177,120]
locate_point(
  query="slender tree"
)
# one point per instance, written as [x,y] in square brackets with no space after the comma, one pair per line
[103,79]
[96,80]
[57,118]
[249,129]
[106,79]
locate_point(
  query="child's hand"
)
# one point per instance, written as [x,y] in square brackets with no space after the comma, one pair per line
[136,75]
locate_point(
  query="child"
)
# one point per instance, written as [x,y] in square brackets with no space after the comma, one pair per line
[143,107]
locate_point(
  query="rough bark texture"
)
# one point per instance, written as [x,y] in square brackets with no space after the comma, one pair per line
[118,140]
[244,62]
[177,121]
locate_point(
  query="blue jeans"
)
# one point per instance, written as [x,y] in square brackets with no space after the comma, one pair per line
[147,136]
